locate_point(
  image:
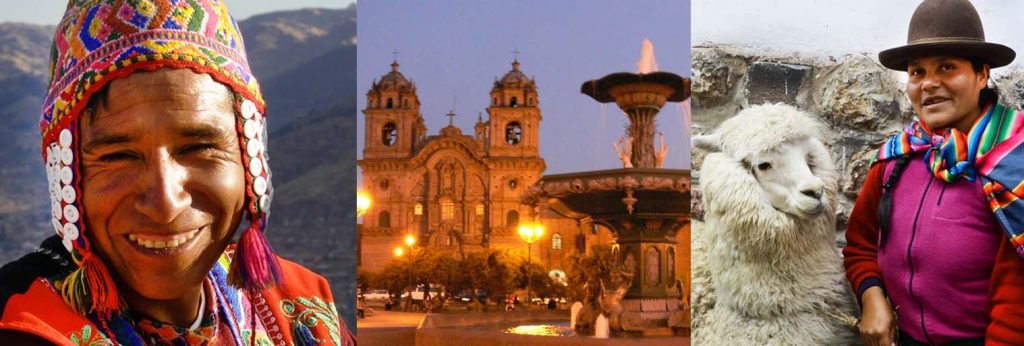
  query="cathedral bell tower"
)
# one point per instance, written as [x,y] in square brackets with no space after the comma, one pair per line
[394,125]
[514,118]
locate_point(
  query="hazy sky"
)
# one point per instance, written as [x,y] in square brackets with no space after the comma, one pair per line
[835,26]
[456,49]
[50,11]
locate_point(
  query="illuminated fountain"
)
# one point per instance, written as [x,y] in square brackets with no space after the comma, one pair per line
[643,205]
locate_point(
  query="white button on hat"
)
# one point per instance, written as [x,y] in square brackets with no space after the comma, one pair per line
[70,213]
[55,210]
[58,227]
[67,244]
[66,156]
[65,138]
[248,109]
[70,231]
[254,147]
[256,166]
[260,185]
[250,129]
[52,154]
[264,203]
[69,194]
[66,175]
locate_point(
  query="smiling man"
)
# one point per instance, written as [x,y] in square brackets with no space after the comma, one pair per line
[935,242]
[153,140]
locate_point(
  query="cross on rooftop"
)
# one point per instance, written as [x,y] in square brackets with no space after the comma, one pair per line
[451,117]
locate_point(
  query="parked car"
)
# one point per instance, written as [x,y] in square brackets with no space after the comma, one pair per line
[467,296]
[435,291]
[376,295]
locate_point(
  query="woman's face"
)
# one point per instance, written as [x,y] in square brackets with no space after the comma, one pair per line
[944,91]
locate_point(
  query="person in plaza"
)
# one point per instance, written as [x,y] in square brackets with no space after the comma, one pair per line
[935,243]
[153,139]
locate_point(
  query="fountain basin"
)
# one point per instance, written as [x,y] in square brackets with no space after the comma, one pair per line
[644,208]
[671,86]
[480,328]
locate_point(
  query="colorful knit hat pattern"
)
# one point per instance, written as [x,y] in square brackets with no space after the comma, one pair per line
[98,41]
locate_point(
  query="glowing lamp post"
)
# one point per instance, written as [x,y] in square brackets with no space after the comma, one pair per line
[410,240]
[530,234]
[363,203]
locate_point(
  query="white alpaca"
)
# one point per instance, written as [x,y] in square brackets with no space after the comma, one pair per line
[766,267]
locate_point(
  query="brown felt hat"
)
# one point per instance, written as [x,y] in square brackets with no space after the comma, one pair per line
[946,27]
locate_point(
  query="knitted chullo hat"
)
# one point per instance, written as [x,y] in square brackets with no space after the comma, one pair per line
[98,41]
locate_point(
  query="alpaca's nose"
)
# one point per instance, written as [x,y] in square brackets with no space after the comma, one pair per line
[813,192]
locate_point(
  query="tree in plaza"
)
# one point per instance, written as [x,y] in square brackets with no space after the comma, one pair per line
[439,266]
[586,271]
[365,280]
[491,272]
[534,275]
[394,277]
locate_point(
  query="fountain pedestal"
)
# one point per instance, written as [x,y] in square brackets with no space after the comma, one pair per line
[644,209]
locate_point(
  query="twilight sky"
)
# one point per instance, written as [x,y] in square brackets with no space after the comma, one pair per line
[456,49]
[49,11]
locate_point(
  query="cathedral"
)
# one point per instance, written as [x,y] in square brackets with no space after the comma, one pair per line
[456,191]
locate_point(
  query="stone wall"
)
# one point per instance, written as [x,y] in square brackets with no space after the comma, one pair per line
[859,100]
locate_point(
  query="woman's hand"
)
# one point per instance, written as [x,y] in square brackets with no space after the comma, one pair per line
[877,320]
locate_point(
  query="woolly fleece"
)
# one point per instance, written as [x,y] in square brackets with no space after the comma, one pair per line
[764,277]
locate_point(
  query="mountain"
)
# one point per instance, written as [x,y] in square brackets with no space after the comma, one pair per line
[305,61]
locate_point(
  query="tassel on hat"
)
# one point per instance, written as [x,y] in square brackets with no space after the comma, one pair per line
[90,288]
[254,266]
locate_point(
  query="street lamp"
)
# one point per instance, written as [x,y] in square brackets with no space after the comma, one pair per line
[410,240]
[363,203]
[530,234]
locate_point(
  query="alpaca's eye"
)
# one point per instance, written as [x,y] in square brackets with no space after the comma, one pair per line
[764,166]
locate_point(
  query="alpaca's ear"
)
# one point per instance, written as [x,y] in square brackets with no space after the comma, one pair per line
[708,143]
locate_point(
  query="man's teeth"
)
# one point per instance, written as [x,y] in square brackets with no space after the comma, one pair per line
[163,244]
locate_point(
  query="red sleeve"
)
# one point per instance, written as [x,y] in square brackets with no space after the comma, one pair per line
[860,256]
[1006,298]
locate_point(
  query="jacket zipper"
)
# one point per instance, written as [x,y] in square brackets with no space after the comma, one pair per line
[910,261]
[941,193]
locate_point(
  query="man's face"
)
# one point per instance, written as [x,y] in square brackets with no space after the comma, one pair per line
[944,91]
[163,181]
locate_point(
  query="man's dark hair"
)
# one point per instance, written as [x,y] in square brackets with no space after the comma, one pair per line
[97,101]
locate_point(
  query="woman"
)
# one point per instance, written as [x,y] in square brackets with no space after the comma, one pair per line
[933,244]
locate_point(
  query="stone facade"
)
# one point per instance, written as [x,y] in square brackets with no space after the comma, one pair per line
[860,101]
[454,191]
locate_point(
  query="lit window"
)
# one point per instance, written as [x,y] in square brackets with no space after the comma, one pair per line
[418,209]
[479,209]
[556,241]
[447,210]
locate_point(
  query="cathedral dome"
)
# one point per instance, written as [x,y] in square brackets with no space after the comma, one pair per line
[514,78]
[394,80]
